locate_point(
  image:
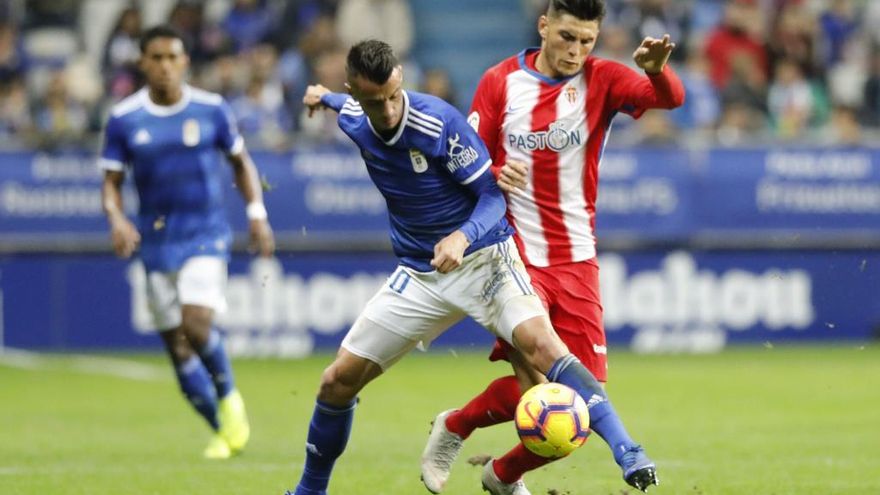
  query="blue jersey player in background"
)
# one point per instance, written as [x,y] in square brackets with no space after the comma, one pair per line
[448,231]
[172,137]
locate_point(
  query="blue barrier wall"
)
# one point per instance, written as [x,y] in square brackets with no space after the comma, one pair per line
[700,249]
[654,300]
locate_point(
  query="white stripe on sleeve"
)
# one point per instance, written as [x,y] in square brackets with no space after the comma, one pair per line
[476,175]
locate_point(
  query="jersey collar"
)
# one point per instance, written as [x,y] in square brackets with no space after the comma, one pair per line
[400,126]
[166,110]
[524,65]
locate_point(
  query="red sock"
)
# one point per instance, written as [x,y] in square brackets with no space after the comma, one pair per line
[496,404]
[517,462]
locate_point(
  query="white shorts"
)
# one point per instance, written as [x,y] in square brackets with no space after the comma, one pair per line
[201,281]
[491,286]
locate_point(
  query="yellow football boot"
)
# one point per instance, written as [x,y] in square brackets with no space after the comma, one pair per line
[217,448]
[234,426]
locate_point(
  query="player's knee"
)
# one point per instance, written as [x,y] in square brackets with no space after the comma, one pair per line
[337,386]
[179,349]
[539,344]
[196,321]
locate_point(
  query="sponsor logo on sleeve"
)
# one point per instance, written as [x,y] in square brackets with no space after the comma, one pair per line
[459,156]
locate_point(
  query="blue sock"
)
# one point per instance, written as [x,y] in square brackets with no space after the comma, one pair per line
[196,385]
[328,434]
[214,357]
[604,420]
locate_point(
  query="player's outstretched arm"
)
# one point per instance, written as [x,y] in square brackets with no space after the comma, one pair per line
[312,98]
[123,234]
[262,240]
[653,54]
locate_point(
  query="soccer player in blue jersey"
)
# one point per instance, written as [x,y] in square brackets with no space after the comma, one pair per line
[449,233]
[171,138]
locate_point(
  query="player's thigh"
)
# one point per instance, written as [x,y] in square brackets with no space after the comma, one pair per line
[202,282]
[577,317]
[493,287]
[403,314]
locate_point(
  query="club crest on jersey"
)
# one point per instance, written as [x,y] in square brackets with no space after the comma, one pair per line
[556,138]
[473,120]
[191,132]
[571,94]
[459,156]
[142,136]
[418,160]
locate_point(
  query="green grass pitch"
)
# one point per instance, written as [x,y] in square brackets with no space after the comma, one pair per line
[766,421]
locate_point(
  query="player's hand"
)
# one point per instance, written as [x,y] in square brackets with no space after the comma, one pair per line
[312,98]
[652,55]
[262,240]
[449,252]
[124,236]
[514,177]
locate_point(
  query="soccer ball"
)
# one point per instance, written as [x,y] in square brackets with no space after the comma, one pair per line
[552,420]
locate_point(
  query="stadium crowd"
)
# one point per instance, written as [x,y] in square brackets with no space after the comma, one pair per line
[756,71]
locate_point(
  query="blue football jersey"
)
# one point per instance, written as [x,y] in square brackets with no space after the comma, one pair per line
[175,154]
[432,173]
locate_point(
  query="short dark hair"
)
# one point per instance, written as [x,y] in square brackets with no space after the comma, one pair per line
[588,10]
[371,59]
[162,31]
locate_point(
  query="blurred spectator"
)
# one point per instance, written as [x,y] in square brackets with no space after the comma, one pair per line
[838,24]
[15,118]
[790,99]
[871,91]
[60,119]
[121,54]
[225,76]
[846,79]
[204,41]
[616,43]
[388,20]
[843,129]
[248,23]
[704,16]
[793,37]
[658,17]
[436,82]
[747,86]
[51,13]
[702,105]
[656,129]
[262,116]
[740,124]
[297,17]
[12,57]
[739,35]
[870,21]
[319,38]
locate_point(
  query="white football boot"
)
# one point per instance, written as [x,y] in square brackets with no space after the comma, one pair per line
[493,485]
[439,454]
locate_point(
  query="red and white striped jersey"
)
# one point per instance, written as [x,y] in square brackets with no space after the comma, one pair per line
[559,128]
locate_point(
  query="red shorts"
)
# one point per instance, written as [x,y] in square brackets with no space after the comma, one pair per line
[570,293]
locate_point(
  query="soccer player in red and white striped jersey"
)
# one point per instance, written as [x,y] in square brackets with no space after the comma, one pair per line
[545,115]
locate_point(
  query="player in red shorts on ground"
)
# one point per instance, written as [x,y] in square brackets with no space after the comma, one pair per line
[544,115]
